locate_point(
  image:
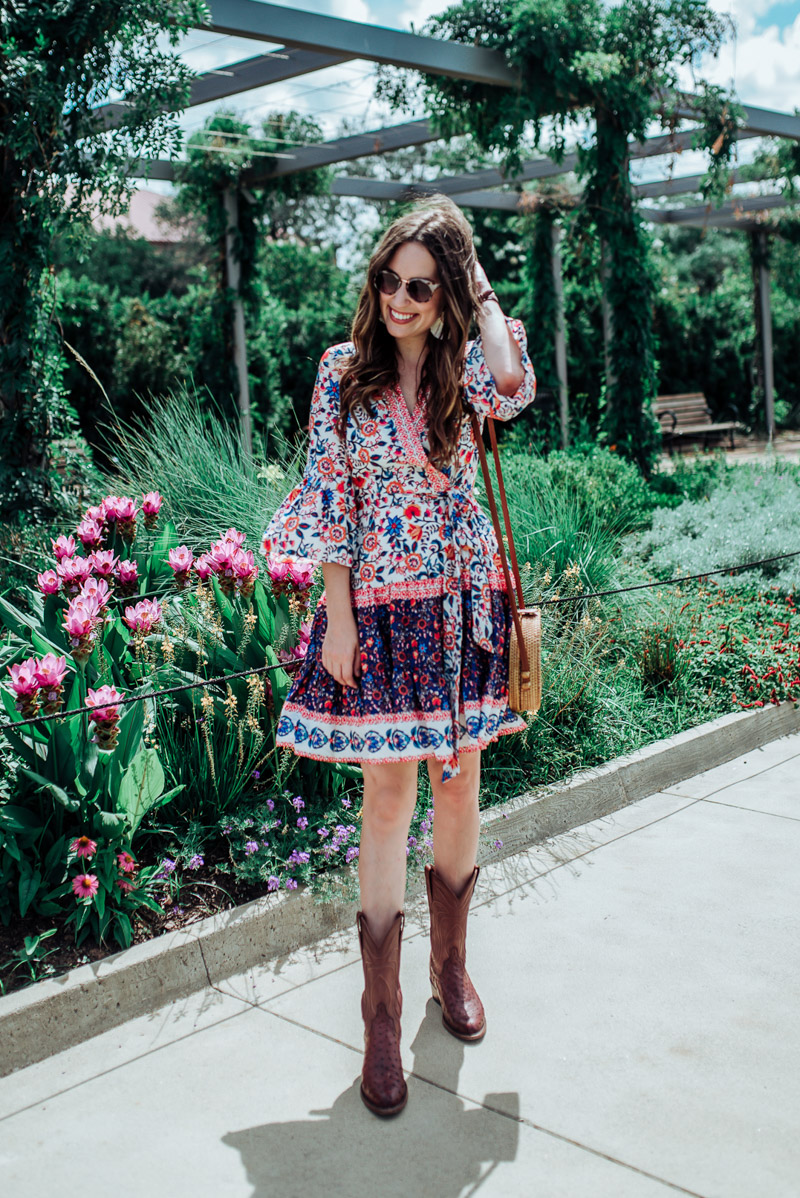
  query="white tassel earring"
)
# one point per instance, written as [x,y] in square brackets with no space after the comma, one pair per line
[437,328]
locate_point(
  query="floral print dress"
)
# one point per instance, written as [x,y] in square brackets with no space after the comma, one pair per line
[426,581]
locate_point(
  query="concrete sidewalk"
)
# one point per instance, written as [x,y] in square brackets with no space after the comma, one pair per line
[640,977]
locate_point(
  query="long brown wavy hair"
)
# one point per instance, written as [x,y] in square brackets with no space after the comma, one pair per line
[439,225]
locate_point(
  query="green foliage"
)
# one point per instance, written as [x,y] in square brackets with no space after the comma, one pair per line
[576,59]
[61,64]
[751,515]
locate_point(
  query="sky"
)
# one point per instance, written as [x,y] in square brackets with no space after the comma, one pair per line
[760,61]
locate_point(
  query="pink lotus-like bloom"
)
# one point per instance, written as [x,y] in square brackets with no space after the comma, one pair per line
[127,509]
[301,648]
[96,514]
[73,572]
[109,506]
[85,885]
[63,547]
[278,568]
[142,616]
[50,670]
[23,677]
[151,503]
[81,615]
[104,563]
[245,571]
[105,716]
[90,534]
[96,589]
[49,583]
[204,566]
[83,846]
[301,572]
[233,535]
[127,572]
[181,559]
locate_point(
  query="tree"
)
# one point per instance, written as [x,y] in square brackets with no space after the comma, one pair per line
[85,86]
[621,68]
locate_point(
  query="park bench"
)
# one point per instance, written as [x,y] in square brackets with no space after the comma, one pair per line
[688,418]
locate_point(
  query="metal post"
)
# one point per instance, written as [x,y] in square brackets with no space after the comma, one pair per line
[234,273]
[561,335]
[765,312]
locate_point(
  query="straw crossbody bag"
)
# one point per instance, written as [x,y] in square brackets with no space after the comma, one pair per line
[525,656]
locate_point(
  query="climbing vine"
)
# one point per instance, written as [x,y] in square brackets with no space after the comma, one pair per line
[620,68]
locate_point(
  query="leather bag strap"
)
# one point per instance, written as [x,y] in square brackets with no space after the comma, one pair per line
[476,431]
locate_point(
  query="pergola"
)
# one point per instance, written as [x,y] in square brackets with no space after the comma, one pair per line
[310,42]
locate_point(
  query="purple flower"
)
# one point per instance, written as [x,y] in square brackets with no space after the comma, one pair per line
[256,774]
[195,862]
[265,843]
[251,847]
[298,803]
[346,803]
[351,854]
[273,883]
[302,823]
[299,858]
[424,826]
[167,865]
[412,840]
[270,805]
[498,844]
[227,829]
[291,884]
[323,832]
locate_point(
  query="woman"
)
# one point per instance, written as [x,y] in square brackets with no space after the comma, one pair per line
[408,652]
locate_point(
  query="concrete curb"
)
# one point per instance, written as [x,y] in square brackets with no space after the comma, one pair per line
[57,1013]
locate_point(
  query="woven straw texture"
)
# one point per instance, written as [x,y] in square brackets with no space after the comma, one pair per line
[526,697]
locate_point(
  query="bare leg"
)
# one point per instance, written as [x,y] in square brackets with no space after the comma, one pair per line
[456,821]
[390,795]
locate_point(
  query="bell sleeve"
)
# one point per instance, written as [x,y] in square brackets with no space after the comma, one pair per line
[317,518]
[480,390]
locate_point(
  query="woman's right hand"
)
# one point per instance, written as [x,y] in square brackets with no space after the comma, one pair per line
[341,652]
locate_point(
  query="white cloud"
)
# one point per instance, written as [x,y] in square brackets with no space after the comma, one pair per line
[762,66]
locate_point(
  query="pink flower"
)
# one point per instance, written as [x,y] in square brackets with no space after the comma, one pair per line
[85,885]
[127,509]
[106,718]
[104,563]
[125,885]
[204,566]
[109,507]
[278,568]
[181,559]
[90,534]
[127,862]
[50,670]
[221,554]
[127,572]
[151,503]
[143,615]
[96,514]
[301,572]
[236,537]
[96,589]
[81,615]
[48,582]
[63,547]
[83,846]
[23,678]
[73,572]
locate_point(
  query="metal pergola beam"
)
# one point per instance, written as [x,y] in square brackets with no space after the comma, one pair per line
[311,31]
[263,69]
[761,122]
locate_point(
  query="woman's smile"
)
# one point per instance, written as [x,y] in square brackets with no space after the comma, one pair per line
[401,317]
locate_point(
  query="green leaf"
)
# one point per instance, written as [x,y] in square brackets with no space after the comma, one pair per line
[28,886]
[141,787]
[17,819]
[55,791]
[123,931]
[100,899]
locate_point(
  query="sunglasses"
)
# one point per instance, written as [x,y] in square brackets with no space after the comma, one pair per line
[419,290]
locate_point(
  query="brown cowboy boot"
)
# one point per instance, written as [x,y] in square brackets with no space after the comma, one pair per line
[383,1087]
[462,1009]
